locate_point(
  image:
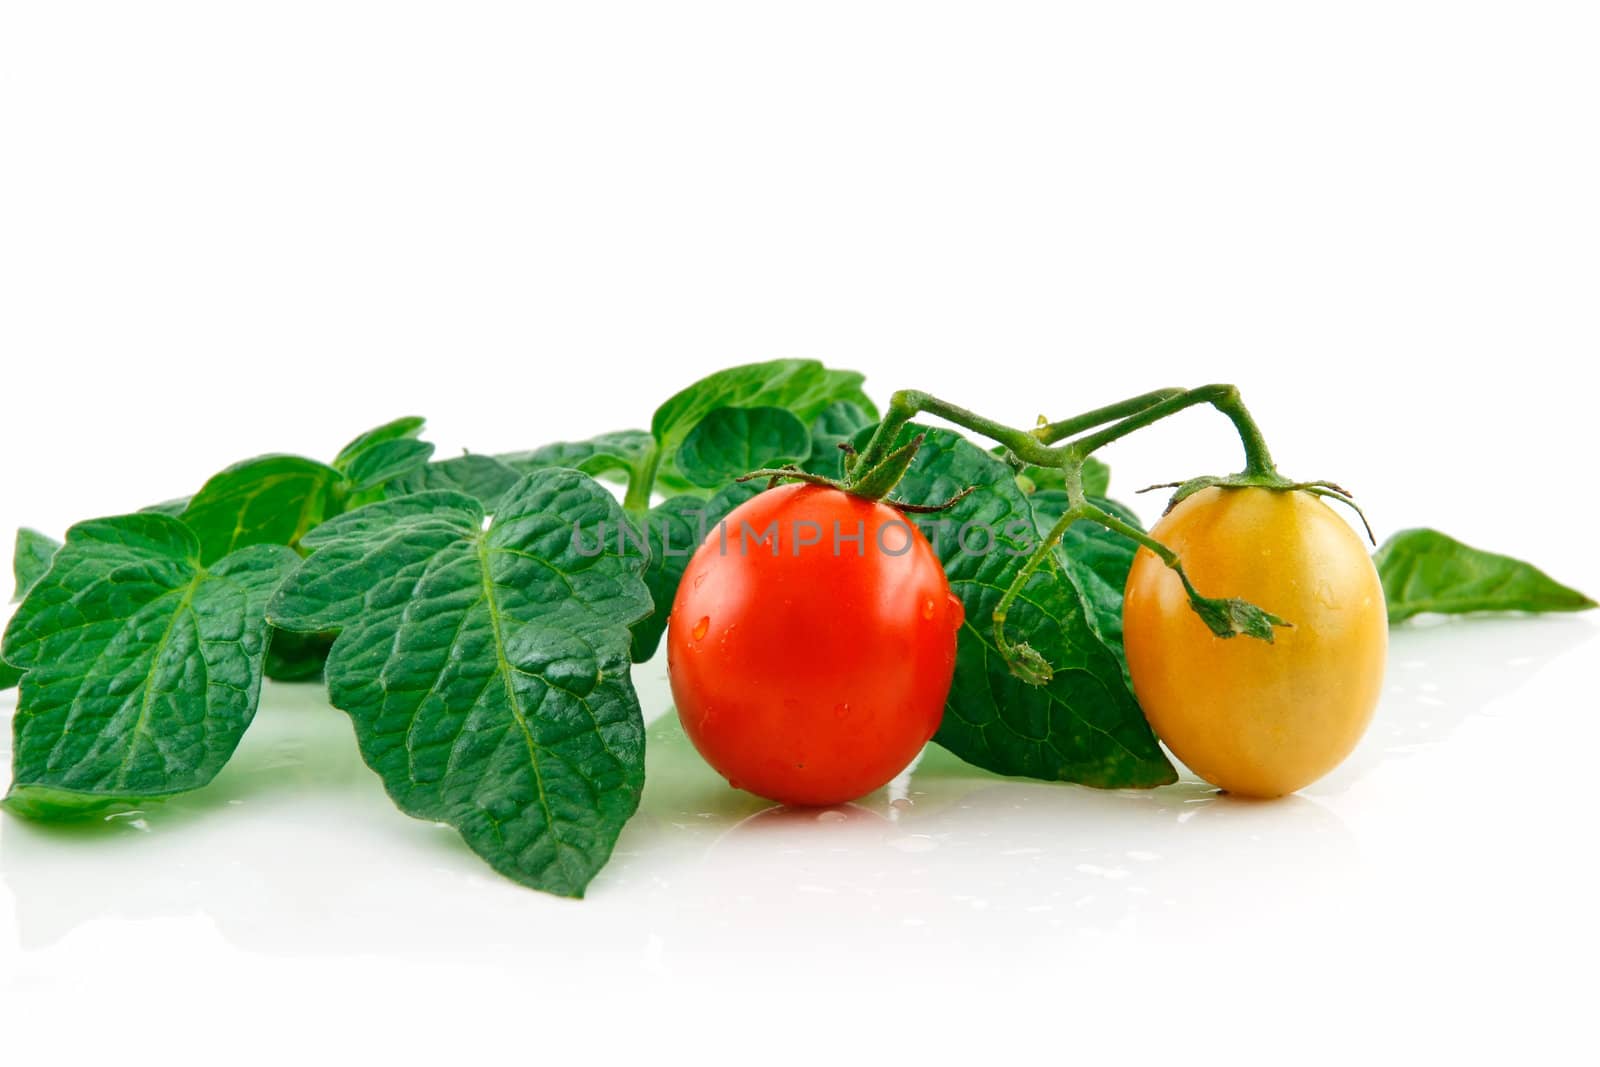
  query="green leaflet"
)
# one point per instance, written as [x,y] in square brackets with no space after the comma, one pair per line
[618,451]
[675,528]
[402,429]
[275,499]
[612,456]
[483,478]
[1084,725]
[142,666]
[379,456]
[385,462]
[730,442]
[1427,571]
[801,386]
[486,670]
[174,507]
[269,500]
[29,560]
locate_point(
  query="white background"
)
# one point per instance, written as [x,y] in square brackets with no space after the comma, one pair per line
[234,228]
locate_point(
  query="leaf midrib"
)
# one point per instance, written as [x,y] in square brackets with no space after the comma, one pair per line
[481,548]
[184,605]
[186,600]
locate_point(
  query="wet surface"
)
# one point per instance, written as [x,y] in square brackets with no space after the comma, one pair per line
[1465,801]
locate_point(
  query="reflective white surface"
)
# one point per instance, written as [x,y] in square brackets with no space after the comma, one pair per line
[1441,878]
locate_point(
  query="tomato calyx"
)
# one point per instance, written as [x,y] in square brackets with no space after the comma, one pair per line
[875,483]
[1267,479]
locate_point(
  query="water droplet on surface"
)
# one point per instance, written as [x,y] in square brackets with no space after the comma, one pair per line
[958,614]
[841,710]
[832,816]
[701,627]
[1326,595]
[699,580]
[900,804]
[927,608]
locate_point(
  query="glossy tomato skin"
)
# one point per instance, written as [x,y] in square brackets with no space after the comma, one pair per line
[812,675]
[1254,718]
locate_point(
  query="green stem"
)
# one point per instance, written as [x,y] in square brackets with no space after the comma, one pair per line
[641,480]
[1225,617]
[1133,533]
[908,403]
[1055,431]
[1225,398]
[1008,652]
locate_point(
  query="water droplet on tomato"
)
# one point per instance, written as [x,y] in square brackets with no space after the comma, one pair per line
[699,579]
[958,614]
[701,627]
[841,710]
[927,608]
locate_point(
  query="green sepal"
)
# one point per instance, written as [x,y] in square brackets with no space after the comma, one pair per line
[880,481]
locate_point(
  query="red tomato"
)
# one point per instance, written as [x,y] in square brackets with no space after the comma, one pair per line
[811,645]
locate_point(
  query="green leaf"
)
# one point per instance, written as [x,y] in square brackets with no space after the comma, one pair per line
[674,529]
[382,454]
[1083,725]
[730,442]
[401,429]
[174,507]
[1427,571]
[269,500]
[386,461]
[483,478]
[142,665]
[486,669]
[802,387]
[30,559]
[616,452]
[274,500]
[837,424]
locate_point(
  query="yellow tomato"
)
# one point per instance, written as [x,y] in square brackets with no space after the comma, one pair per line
[1255,718]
